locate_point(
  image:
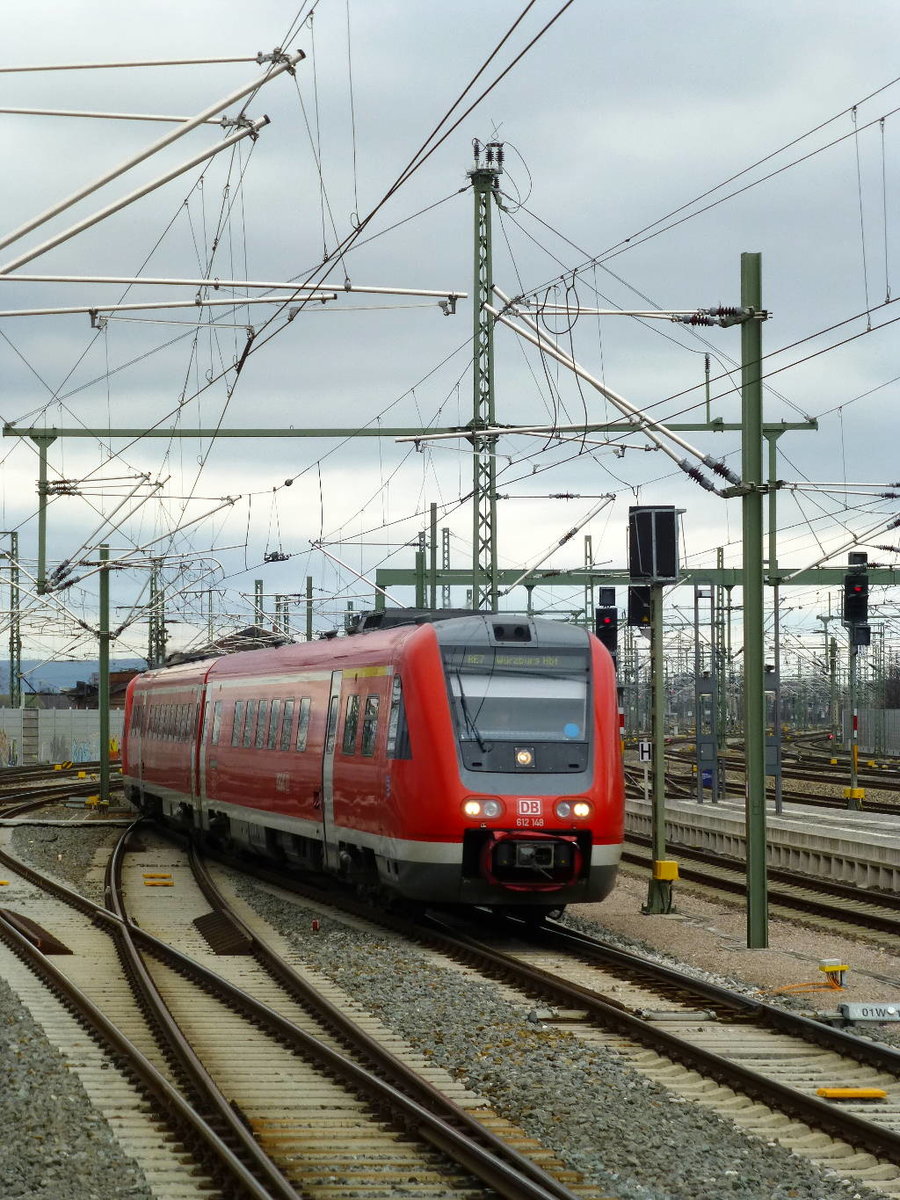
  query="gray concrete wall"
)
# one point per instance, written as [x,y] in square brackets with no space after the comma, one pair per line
[63,735]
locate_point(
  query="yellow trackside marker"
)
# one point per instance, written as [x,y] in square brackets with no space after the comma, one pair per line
[82,774]
[863,1093]
[157,875]
[4,883]
[158,883]
[57,767]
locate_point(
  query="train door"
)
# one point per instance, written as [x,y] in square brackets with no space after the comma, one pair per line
[329,836]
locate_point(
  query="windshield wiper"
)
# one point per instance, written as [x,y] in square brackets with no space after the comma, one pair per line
[464,706]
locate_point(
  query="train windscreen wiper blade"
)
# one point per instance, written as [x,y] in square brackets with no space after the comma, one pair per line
[464,706]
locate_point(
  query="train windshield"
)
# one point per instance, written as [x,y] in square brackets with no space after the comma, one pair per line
[498,695]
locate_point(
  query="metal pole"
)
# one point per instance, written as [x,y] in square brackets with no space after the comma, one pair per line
[15,624]
[445,566]
[772,439]
[103,682]
[697,664]
[853,790]
[309,606]
[659,894]
[432,559]
[42,442]
[754,666]
[258,614]
[488,166]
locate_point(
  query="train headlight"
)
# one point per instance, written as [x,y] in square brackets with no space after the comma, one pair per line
[563,809]
[581,808]
[485,806]
[524,756]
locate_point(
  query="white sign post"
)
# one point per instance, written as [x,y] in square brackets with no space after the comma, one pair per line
[645,755]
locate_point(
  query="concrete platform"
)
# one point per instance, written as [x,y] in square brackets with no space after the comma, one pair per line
[861,848]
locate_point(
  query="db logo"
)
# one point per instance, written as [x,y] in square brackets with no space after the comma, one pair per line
[529,808]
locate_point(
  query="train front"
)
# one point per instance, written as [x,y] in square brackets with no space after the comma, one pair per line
[535,718]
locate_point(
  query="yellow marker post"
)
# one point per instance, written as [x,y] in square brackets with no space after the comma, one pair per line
[665,868]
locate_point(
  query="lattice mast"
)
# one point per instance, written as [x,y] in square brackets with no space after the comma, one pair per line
[485,177]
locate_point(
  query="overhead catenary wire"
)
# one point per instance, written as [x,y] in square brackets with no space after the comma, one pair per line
[655,430]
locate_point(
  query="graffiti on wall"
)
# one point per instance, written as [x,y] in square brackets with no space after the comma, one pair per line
[9,750]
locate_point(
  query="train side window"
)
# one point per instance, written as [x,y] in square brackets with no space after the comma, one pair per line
[286,725]
[303,723]
[370,726]
[332,724]
[217,722]
[398,733]
[274,724]
[351,725]
[237,728]
[250,723]
[262,728]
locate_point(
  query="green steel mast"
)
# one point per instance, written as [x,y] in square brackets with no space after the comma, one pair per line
[485,175]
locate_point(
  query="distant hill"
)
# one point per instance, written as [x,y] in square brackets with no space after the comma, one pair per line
[57,676]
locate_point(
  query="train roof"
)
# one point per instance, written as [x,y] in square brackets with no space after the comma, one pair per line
[373,640]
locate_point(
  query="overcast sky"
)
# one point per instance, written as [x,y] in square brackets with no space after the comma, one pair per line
[622,125]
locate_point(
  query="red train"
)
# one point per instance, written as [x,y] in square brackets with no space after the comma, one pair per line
[467,760]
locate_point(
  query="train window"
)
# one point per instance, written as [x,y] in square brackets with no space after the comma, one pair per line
[398,734]
[262,728]
[303,723]
[331,726]
[351,725]
[250,723]
[274,724]
[286,725]
[237,727]
[217,722]
[370,726]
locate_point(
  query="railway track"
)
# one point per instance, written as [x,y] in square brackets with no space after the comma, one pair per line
[685,787]
[294,1112]
[836,906]
[753,1063]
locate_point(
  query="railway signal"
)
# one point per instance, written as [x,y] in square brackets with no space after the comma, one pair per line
[856,598]
[606,627]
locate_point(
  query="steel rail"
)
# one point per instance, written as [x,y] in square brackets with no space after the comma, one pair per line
[172,1105]
[386,1063]
[847,1126]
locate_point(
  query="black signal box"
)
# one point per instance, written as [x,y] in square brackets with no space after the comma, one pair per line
[856,598]
[653,543]
[639,607]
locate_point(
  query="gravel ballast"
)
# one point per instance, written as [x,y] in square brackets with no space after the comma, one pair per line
[629,1136]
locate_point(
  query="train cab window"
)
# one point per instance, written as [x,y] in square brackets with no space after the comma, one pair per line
[216,722]
[351,725]
[262,727]
[370,726]
[274,724]
[250,723]
[237,728]
[398,745]
[286,725]
[303,723]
